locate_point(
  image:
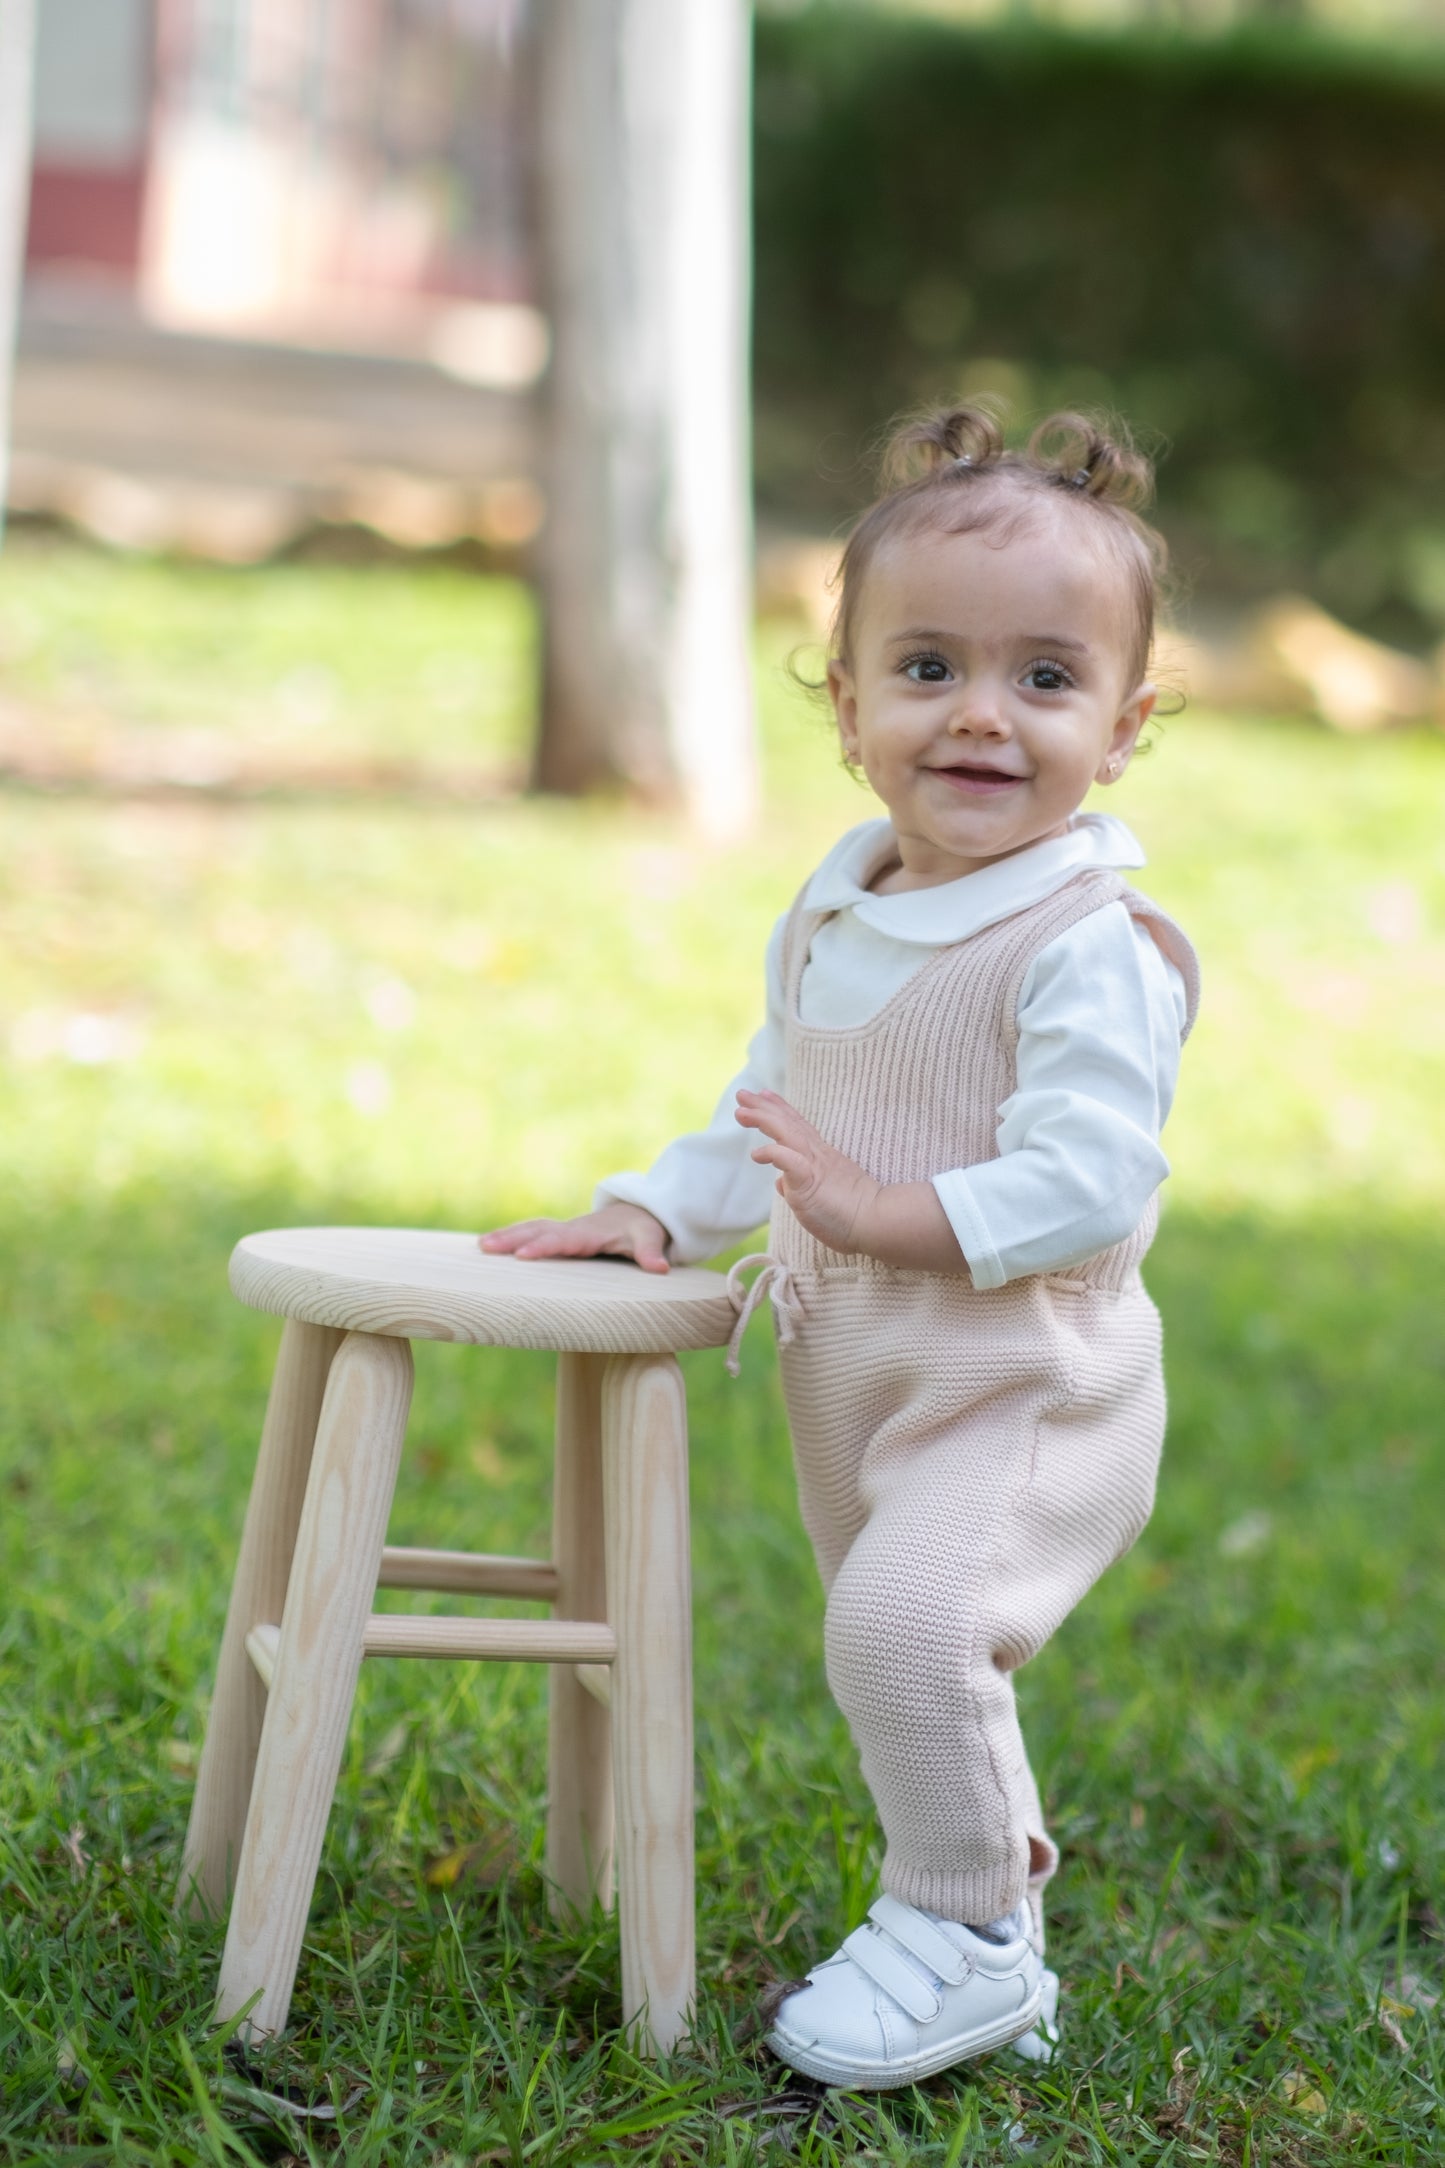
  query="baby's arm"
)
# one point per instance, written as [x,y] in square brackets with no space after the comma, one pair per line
[901,1223]
[1100,1019]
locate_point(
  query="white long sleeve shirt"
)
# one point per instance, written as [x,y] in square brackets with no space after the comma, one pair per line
[1101,1016]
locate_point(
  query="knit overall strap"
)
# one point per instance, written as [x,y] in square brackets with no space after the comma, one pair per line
[916,1088]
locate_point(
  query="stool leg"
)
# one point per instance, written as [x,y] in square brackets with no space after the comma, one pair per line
[333,1586]
[579,1745]
[238,1705]
[649,1605]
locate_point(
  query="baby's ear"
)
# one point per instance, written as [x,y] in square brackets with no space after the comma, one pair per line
[1132,717]
[843,694]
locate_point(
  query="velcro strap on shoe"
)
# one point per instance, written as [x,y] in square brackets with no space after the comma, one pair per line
[929,1944]
[875,1956]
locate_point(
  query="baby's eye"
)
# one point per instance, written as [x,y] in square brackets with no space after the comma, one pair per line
[1047,677]
[927,669]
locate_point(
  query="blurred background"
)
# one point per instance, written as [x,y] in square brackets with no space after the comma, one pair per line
[222,193]
[388,433]
[388,437]
[283,285]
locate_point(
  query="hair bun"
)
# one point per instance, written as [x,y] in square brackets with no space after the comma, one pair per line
[966,437]
[933,460]
[1074,451]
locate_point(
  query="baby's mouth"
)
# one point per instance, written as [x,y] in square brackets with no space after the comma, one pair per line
[976,779]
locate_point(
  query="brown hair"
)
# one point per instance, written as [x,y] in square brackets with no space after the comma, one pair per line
[950,469]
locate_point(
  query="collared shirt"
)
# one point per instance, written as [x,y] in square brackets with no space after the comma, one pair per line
[1101,1015]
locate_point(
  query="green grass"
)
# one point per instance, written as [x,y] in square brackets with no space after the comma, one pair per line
[370,659]
[381,1012]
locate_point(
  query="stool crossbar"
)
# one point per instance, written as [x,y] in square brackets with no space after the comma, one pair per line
[313,1553]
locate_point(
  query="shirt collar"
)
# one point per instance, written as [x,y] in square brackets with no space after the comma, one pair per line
[955,909]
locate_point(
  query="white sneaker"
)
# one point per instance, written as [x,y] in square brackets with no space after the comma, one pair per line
[909,1994]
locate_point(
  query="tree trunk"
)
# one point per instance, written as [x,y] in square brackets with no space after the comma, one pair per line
[17,67]
[642,195]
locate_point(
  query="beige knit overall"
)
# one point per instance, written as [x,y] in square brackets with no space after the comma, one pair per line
[969,1461]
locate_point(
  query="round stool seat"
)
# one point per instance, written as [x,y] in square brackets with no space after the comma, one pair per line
[418,1285]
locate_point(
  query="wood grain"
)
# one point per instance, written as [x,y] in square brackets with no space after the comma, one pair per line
[262,1642]
[417,1285]
[468,1573]
[258,1592]
[644,1463]
[337,1558]
[597,1681]
[579,1739]
[498,1640]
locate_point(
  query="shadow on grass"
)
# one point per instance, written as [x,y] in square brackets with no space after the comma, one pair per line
[1239,1734]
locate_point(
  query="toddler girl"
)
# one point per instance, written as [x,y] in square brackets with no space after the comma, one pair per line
[953,1111]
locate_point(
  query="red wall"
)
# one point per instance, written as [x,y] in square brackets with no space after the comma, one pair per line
[85,214]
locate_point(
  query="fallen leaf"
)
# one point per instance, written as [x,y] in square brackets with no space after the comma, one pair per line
[1302,2094]
[1392,2031]
[69,2068]
[485,1861]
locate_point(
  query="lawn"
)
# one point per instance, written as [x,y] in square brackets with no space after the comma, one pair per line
[223,1016]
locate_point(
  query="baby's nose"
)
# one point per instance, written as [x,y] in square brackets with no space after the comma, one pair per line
[979,712]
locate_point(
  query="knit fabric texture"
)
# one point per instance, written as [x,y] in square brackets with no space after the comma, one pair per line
[969,1461]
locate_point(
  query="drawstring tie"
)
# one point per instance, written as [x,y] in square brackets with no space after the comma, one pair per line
[773,1279]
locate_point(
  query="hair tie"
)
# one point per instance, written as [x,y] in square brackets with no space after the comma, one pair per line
[1079,479]
[964,459]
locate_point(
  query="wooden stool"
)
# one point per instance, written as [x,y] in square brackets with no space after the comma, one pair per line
[314,1549]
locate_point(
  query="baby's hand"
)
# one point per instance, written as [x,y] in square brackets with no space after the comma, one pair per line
[831,1194]
[617,1230]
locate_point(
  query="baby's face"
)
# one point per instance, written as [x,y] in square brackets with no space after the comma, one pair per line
[988,689]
